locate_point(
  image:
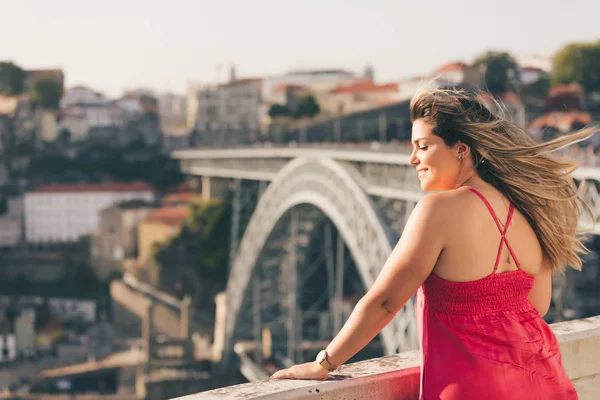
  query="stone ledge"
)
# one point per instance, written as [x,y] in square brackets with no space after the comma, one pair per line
[386,377]
[399,372]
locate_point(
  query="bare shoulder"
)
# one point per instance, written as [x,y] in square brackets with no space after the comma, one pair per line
[441,205]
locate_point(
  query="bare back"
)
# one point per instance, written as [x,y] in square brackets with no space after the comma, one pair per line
[472,238]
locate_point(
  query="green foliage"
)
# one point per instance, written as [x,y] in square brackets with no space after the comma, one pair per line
[77,281]
[278,110]
[308,107]
[203,244]
[538,89]
[500,70]
[100,162]
[579,63]
[12,78]
[46,93]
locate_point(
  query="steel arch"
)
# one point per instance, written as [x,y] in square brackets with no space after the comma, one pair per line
[338,192]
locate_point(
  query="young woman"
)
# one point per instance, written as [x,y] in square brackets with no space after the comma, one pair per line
[480,253]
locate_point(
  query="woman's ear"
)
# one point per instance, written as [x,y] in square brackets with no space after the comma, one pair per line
[464,149]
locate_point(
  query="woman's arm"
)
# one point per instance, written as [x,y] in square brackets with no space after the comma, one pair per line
[541,292]
[409,264]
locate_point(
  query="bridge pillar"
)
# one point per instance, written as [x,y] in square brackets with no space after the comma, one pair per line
[213,187]
[256,325]
[382,127]
[220,319]
[147,333]
[338,303]
[184,318]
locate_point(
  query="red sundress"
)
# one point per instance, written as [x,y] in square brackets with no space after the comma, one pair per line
[484,340]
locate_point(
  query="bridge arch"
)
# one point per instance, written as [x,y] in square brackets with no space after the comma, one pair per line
[336,190]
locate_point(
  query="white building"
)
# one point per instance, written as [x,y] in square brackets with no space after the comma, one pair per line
[172,110]
[313,80]
[192,105]
[529,74]
[83,108]
[81,95]
[238,111]
[233,111]
[11,231]
[63,213]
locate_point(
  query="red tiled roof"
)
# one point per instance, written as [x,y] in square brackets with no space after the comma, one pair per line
[366,86]
[562,89]
[136,186]
[172,215]
[175,198]
[558,119]
[453,66]
[242,82]
[285,86]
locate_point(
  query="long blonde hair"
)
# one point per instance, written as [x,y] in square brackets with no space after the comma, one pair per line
[517,164]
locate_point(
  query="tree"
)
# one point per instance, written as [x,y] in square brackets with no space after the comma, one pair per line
[46,93]
[308,107]
[500,71]
[278,110]
[538,89]
[12,78]
[579,63]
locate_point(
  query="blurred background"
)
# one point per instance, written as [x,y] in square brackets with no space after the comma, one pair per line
[166,226]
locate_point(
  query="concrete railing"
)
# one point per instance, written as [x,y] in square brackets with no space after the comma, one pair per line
[397,377]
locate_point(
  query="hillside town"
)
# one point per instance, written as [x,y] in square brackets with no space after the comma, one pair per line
[89,192]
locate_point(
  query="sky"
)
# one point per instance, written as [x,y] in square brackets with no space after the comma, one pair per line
[113,45]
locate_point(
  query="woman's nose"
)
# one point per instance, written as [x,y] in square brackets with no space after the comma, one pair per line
[413,159]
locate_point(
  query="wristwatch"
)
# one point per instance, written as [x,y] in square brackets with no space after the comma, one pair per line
[324,362]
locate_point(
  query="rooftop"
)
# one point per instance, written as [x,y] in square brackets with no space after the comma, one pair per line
[180,198]
[366,86]
[170,215]
[563,120]
[320,72]
[136,186]
[453,66]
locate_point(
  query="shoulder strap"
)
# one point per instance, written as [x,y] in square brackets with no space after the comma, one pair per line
[502,231]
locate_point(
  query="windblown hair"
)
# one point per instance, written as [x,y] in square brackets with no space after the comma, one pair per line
[506,156]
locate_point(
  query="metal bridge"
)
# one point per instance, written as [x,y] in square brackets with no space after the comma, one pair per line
[311,229]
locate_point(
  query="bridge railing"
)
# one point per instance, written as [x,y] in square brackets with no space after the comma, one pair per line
[586,155]
[397,376]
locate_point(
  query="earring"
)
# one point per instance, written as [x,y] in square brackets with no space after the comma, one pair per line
[460,157]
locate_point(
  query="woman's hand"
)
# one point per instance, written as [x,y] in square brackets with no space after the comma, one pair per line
[309,370]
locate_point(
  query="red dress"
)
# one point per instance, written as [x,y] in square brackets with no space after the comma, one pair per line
[484,340]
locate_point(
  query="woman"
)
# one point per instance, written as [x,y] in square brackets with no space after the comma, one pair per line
[479,253]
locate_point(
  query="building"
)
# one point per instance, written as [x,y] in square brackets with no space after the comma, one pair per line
[530,74]
[409,86]
[80,118]
[82,95]
[192,105]
[11,231]
[159,226]
[172,110]
[47,126]
[237,112]
[318,80]
[459,73]
[64,212]
[232,113]
[510,103]
[116,238]
[358,96]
